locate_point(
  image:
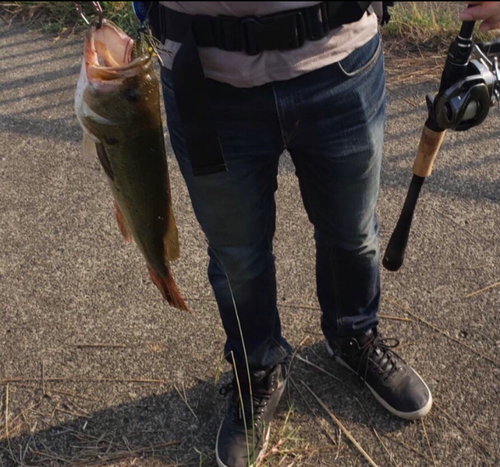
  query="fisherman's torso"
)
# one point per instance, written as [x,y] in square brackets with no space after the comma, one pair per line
[242,70]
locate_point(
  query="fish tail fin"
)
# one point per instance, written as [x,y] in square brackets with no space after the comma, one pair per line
[122,224]
[169,290]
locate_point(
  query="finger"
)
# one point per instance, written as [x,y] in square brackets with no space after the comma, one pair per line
[480,11]
[490,24]
[471,5]
[473,13]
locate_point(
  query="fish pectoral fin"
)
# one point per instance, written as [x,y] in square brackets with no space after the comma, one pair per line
[122,224]
[89,148]
[104,159]
[168,289]
[171,238]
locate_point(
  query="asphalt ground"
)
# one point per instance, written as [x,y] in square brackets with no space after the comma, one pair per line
[95,369]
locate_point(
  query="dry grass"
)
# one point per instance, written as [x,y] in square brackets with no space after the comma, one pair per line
[54,406]
[414,26]
[25,445]
[342,427]
[61,19]
[425,26]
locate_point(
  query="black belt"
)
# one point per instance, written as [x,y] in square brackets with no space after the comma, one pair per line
[281,31]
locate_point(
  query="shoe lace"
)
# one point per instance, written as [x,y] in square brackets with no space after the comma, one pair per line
[377,351]
[258,402]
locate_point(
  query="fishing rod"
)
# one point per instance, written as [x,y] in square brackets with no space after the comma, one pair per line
[467,90]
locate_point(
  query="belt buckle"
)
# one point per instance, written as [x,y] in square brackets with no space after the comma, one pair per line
[255,32]
[316,19]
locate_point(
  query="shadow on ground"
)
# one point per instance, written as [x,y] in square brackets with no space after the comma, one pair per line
[162,427]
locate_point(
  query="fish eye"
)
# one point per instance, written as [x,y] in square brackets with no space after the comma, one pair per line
[131,94]
[110,140]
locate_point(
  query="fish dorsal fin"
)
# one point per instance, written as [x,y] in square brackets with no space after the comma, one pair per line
[122,224]
[89,149]
[171,239]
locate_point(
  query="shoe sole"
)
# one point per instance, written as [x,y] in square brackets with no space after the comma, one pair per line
[416,415]
[264,444]
[261,453]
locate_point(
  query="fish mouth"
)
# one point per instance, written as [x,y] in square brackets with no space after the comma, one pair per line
[108,53]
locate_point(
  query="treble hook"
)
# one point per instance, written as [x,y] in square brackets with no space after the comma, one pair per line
[97,9]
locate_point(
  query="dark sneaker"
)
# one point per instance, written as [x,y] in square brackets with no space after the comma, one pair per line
[240,447]
[392,381]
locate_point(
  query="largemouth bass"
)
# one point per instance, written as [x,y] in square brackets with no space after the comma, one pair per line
[117,104]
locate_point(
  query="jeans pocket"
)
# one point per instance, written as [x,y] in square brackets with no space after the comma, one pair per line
[362,59]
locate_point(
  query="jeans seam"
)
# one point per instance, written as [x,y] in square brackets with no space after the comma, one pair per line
[338,316]
[279,116]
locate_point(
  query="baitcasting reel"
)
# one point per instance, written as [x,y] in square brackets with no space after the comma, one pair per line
[466,102]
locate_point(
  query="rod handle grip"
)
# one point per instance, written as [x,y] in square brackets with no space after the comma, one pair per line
[428,148]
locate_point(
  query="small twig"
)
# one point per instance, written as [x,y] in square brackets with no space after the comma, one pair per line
[7,422]
[73,379]
[108,458]
[427,323]
[395,318]
[75,405]
[22,415]
[403,97]
[339,444]
[406,344]
[199,299]
[48,456]
[298,305]
[467,432]
[273,450]
[389,454]
[184,399]
[307,307]
[475,237]
[23,454]
[321,369]
[97,346]
[407,446]
[70,412]
[316,418]
[126,442]
[73,394]
[7,411]
[482,425]
[428,443]
[473,294]
[346,432]
[43,379]
[364,410]
[294,354]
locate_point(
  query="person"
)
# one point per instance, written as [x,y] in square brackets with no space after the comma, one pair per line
[321,96]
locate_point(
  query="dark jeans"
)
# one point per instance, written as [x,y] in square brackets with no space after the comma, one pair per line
[332,122]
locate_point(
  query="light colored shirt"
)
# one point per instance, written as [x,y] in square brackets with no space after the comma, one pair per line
[242,70]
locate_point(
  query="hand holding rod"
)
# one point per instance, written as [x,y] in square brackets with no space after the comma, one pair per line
[430,141]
